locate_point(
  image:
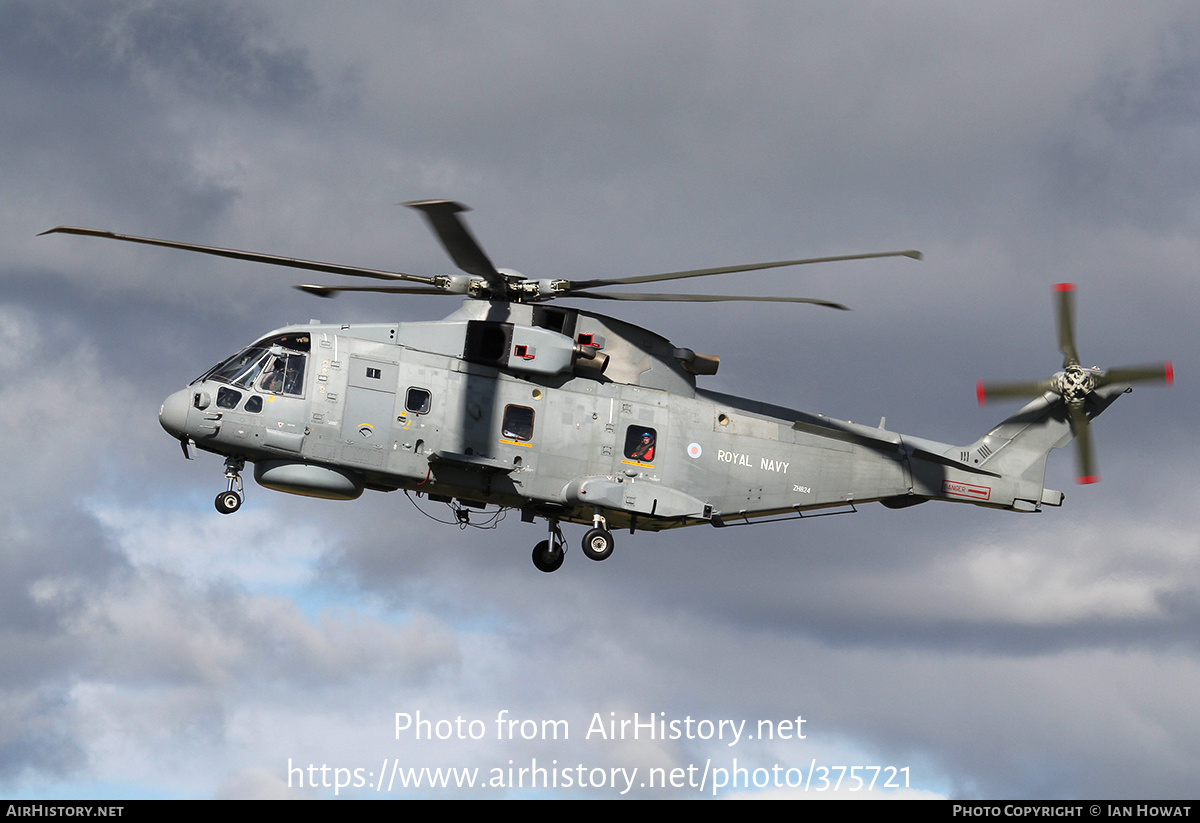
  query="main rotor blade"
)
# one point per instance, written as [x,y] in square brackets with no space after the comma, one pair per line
[457,239]
[1083,444]
[681,275]
[1163,372]
[254,257]
[334,291]
[700,298]
[1066,323]
[990,391]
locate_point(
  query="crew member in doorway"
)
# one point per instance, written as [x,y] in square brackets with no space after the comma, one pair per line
[644,451]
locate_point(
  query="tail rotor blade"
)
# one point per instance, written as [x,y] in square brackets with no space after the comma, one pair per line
[1083,445]
[993,391]
[1065,293]
[1158,373]
[1075,385]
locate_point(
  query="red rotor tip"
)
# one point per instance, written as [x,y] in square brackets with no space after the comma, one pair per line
[979,393]
[1170,373]
[1091,478]
[1064,287]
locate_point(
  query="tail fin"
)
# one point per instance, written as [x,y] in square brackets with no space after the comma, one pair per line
[1015,451]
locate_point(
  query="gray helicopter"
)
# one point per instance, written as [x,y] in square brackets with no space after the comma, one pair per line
[572,416]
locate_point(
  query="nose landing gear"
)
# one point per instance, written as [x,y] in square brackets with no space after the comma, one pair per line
[229,501]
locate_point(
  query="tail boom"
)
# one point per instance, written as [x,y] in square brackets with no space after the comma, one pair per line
[1006,468]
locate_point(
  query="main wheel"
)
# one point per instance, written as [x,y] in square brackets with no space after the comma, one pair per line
[548,556]
[228,502]
[598,544]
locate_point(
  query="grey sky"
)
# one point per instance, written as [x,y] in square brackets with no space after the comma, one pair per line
[152,647]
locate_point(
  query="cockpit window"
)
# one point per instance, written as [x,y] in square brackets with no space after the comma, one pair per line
[241,369]
[277,364]
[284,374]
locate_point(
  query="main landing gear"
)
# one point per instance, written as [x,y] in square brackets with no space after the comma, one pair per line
[598,544]
[230,500]
[549,554]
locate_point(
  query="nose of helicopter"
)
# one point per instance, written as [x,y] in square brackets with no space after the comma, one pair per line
[173,414]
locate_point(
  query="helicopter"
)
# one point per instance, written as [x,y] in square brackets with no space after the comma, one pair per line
[574,417]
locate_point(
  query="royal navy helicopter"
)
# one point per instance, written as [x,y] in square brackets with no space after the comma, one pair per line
[572,416]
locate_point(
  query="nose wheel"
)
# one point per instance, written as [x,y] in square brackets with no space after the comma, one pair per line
[230,500]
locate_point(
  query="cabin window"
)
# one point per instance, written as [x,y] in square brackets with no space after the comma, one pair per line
[228,398]
[254,404]
[640,443]
[518,422]
[417,401]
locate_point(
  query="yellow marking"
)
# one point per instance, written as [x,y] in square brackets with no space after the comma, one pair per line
[636,463]
[516,443]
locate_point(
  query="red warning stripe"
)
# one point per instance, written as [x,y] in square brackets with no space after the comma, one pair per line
[967,490]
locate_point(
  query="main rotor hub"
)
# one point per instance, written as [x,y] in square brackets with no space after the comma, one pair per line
[1076,383]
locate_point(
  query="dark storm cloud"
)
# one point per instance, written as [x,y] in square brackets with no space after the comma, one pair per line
[212,52]
[96,85]
[1133,141]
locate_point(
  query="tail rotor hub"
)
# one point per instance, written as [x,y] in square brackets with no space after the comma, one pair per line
[1076,383]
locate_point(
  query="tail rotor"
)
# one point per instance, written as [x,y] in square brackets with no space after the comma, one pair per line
[1075,383]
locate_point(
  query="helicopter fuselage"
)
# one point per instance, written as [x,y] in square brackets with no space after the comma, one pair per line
[573,416]
[570,416]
